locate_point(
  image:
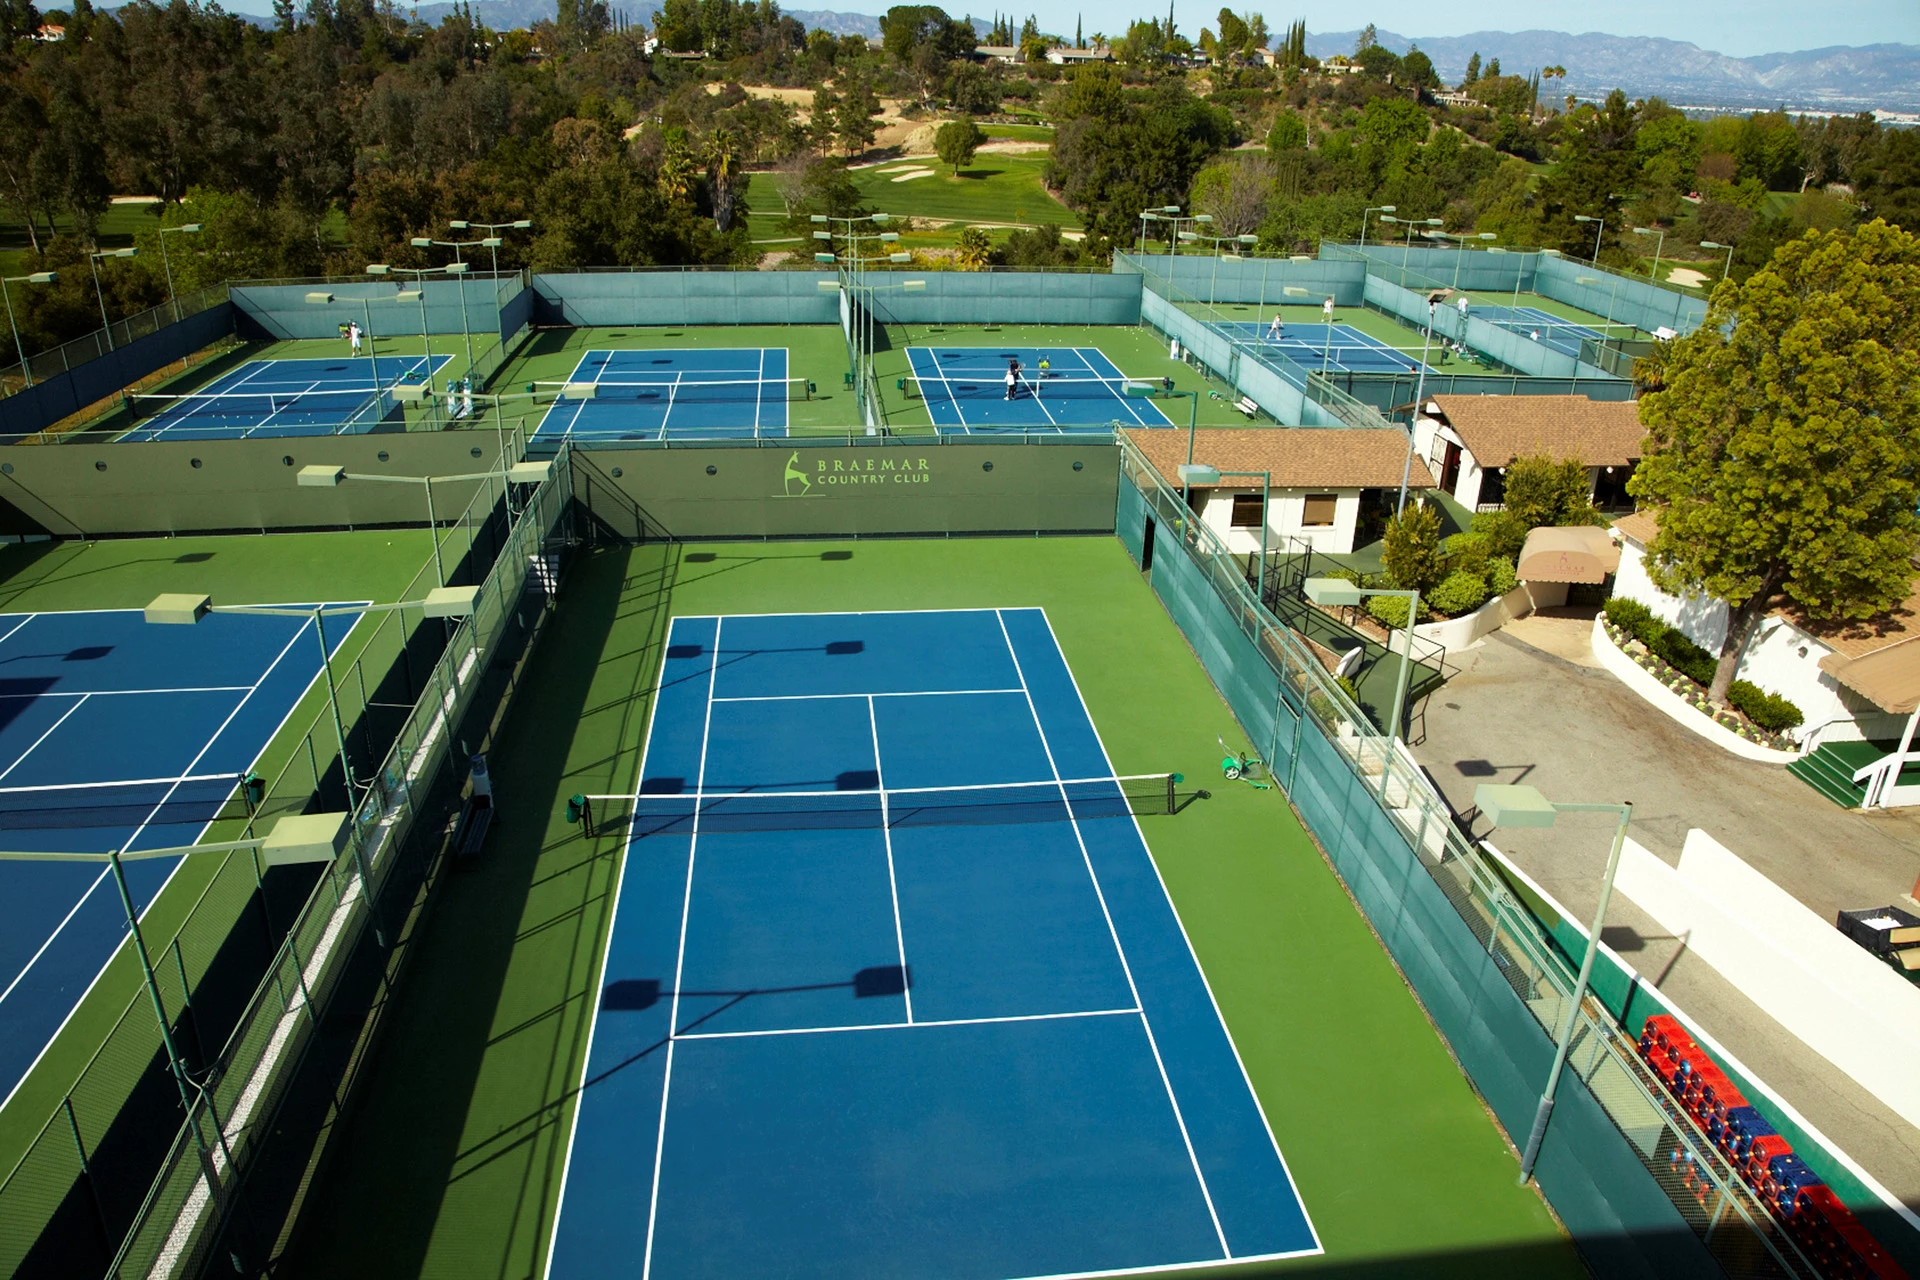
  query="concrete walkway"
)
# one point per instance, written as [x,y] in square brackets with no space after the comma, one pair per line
[1529,705]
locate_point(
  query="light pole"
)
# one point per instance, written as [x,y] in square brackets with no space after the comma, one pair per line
[858,336]
[1337,591]
[1173,241]
[321,298]
[492,242]
[1523,806]
[1600,229]
[1209,477]
[1375,208]
[1410,224]
[905,286]
[19,347]
[1326,315]
[320,476]
[1154,215]
[93,263]
[458,267]
[191,228]
[1715,244]
[1216,242]
[419,274]
[1461,250]
[310,837]
[1419,402]
[1658,245]
[1146,391]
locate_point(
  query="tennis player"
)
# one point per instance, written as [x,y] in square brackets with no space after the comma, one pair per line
[1273,330]
[353,336]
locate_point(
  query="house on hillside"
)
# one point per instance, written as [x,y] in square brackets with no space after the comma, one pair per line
[1338,65]
[1322,481]
[1852,681]
[1469,441]
[1065,55]
[996,53]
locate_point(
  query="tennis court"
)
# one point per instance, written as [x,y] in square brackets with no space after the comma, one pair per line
[965,389]
[707,394]
[1550,330]
[117,734]
[1340,347]
[893,986]
[265,398]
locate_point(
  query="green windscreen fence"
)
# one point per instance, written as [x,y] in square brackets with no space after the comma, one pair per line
[1643,1191]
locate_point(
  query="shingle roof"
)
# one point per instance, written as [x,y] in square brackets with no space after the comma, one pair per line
[1498,429]
[1641,526]
[1298,457]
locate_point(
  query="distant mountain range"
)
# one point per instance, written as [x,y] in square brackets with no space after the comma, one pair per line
[1883,76]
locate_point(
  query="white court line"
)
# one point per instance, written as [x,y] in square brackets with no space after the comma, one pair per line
[673,389]
[759,389]
[78,703]
[903,1026]
[606,951]
[1194,956]
[1165,421]
[1146,1024]
[680,961]
[311,386]
[886,835]
[953,397]
[16,626]
[904,693]
[112,693]
[786,371]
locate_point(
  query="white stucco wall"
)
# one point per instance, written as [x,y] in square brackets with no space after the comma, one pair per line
[1781,659]
[1430,440]
[1286,508]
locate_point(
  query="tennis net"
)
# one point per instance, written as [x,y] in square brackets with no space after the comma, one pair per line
[1565,330]
[987,385]
[872,809]
[239,409]
[193,800]
[680,389]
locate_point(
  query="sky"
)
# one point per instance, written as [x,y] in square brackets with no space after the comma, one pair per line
[1740,28]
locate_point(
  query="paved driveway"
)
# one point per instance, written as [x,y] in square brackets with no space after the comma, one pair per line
[1531,705]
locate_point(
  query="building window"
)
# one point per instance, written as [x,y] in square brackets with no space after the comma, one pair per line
[1319,511]
[1248,508]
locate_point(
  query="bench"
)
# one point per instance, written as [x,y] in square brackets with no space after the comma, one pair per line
[1246,405]
[470,833]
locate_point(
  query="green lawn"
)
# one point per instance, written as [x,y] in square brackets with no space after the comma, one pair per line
[450,1159]
[117,228]
[997,189]
[380,565]
[1018,132]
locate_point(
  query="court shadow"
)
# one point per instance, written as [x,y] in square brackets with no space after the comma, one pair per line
[742,562]
[194,557]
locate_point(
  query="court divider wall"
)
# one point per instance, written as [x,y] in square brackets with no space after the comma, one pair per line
[1004,297]
[1491,976]
[1621,299]
[210,486]
[1515,350]
[58,395]
[281,312]
[1262,281]
[864,487]
[610,299]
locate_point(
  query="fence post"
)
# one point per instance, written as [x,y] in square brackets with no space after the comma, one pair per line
[86,1172]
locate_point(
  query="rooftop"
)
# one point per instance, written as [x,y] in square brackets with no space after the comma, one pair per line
[1298,457]
[1498,429]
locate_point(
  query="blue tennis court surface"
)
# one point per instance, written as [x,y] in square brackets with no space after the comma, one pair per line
[966,390]
[893,986]
[287,398]
[1544,327]
[1341,347]
[667,395]
[102,717]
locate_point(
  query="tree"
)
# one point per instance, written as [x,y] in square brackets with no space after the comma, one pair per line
[956,141]
[1493,69]
[1289,133]
[1539,493]
[1412,554]
[1473,70]
[1784,449]
[972,249]
[1417,70]
[1235,193]
[853,121]
[1369,38]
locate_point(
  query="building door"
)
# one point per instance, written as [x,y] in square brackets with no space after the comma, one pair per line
[1146,548]
[1450,468]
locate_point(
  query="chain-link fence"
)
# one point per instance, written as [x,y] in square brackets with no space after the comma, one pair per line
[1620,1159]
[111,1169]
[15,376]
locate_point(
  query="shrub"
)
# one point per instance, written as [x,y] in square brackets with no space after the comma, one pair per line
[1390,610]
[1462,592]
[1467,551]
[1411,553]
[1768,710]
[1683,655]
[1629,615]
[1501,577]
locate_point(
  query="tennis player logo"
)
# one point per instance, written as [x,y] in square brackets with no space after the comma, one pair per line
[794,473]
